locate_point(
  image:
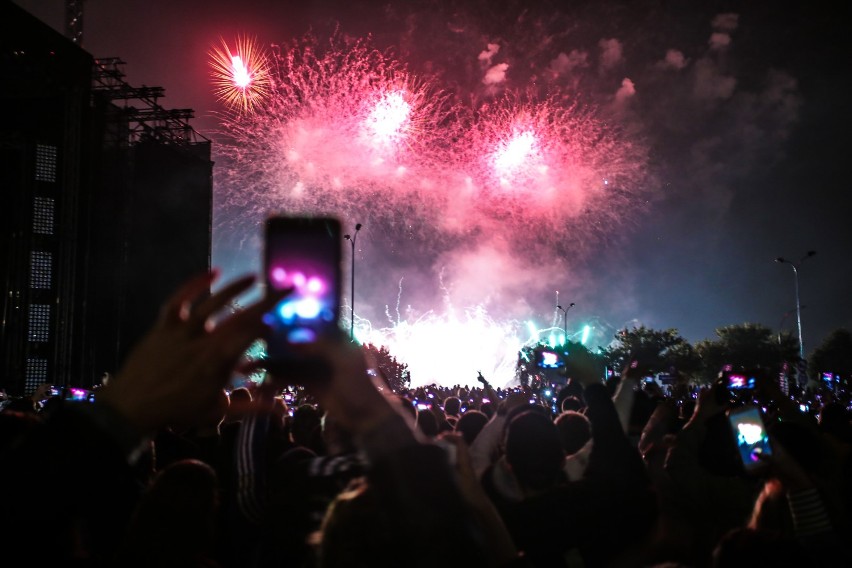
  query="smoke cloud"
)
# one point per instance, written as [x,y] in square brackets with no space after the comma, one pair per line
[495,74]
[611,53]
[674,59]
[625,92]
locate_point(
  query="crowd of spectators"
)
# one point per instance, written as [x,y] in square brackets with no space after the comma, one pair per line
[165,466]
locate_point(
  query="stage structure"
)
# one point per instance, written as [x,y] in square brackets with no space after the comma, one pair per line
[106,207]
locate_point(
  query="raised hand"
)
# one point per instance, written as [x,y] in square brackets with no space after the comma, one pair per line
[176,372]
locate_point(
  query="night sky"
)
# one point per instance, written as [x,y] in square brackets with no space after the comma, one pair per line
[743,107]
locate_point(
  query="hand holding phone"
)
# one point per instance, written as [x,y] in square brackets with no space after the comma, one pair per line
[584,367]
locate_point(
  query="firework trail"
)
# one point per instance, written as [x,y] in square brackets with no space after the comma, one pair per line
[345,129]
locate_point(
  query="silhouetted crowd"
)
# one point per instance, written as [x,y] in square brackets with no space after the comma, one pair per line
[164,465]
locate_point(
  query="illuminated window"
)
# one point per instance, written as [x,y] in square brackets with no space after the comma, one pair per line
[40,270]
[43,216]
[39,322]
[45,167]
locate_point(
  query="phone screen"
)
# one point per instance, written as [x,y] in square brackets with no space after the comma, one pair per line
[78,394]
[302,253]
[739,381]
[550,360]
[750,436]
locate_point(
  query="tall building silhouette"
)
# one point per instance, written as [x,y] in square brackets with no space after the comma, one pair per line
[105,207]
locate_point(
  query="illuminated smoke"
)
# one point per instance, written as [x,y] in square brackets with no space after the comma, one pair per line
[442,182]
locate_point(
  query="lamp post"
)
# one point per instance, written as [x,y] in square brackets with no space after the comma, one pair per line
[351,240]
[565,311]
[783,319]
[795,266]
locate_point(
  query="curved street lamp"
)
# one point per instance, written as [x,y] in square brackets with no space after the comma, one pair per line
[351,240]
[565,311]
[795,266]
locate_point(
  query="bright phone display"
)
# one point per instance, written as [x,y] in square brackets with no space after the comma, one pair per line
[750,436]
[302,253]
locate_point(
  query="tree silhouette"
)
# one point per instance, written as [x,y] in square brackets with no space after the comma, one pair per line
[834,355]
[661,351]
[394,373]
[747,345]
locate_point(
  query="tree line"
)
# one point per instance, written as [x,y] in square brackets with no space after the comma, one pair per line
[742,346]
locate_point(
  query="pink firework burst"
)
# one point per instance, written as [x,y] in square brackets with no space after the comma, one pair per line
[518,150]
[388,122]
[345,124]
[241,76]
[549,164]
[346,127]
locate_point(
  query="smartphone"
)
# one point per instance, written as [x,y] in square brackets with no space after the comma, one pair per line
[78,394]
[643,360]
[750,436]
[549,359]
[302,253]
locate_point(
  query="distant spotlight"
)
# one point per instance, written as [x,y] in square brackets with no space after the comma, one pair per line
[357,227]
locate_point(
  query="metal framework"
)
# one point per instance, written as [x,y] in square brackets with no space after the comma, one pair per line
[149,121]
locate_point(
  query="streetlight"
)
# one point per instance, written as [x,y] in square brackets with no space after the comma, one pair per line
[351,240]
[796,266]
[565,311]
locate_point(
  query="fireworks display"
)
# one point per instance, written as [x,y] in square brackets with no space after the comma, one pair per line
[343,128]
[241,77]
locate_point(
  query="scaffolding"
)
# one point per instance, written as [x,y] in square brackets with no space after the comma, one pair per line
[149,121]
